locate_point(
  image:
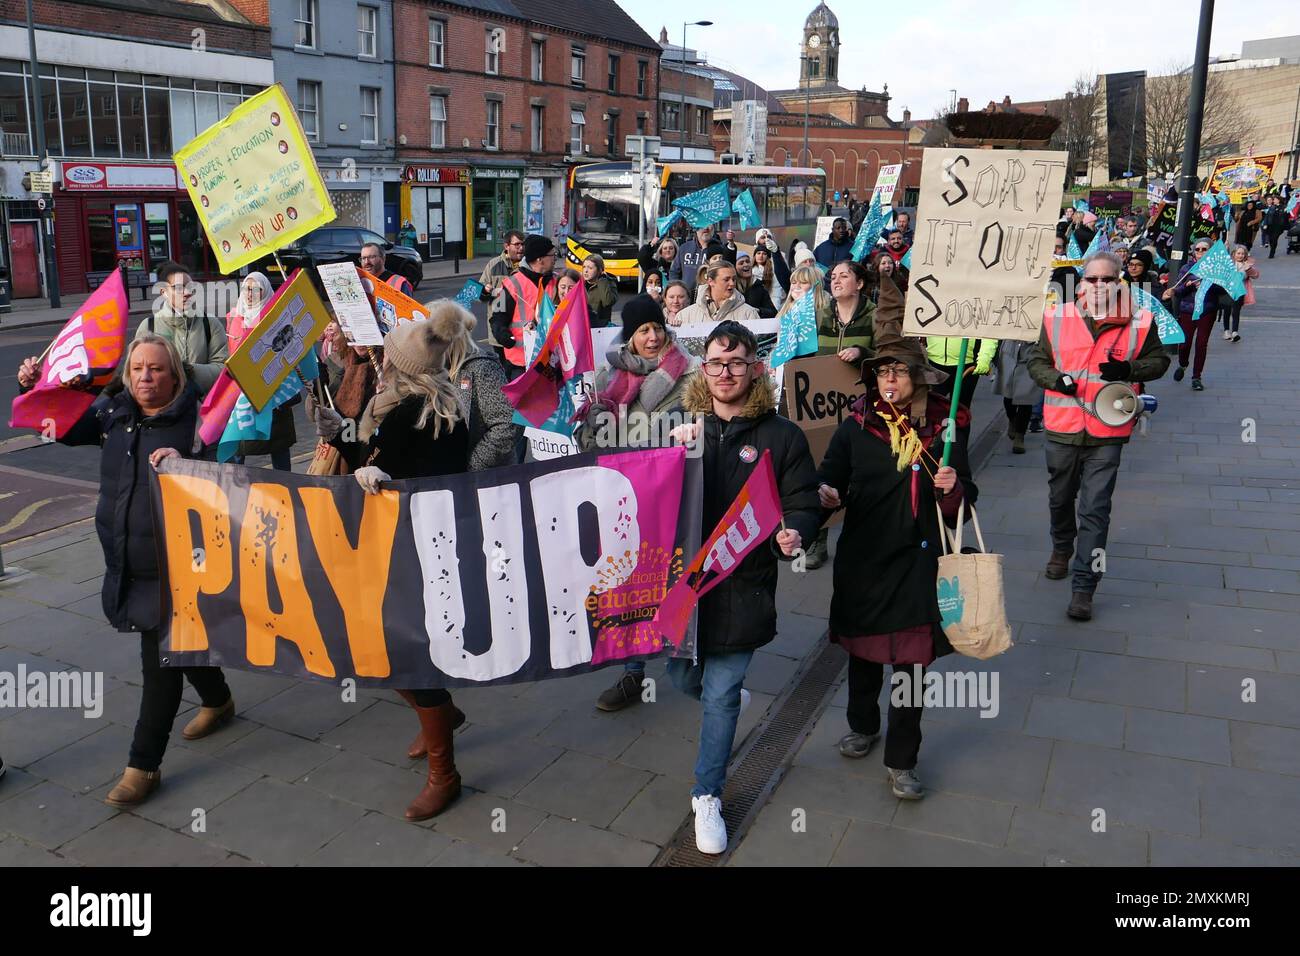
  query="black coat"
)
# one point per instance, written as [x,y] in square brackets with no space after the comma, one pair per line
[887,559]
[124,513]
[758,296]
[404,451]
[740,613]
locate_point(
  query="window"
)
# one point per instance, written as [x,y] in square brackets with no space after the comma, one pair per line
[367,31]
[438,122]
[493,124]
[308,108]
[642,68]
[672,116]
[578,66]
[814,68]
[577,120]
[369,115]
[702,121]
[613,73]
[306,24]
[611,144]
[539,59]
[539,129]
[492,54]
[437,40]
[640,125]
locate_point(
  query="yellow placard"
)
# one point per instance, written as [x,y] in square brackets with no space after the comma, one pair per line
[254,181]
[294,319]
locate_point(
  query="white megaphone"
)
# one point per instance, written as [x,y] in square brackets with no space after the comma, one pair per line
[1117,404]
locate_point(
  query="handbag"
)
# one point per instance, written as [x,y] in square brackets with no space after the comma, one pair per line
[327,461]
[972,603]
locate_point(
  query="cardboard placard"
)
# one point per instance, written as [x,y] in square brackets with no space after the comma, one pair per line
[391,306]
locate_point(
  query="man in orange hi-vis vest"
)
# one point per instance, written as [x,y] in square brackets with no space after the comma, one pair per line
[517,302]
[1083,345]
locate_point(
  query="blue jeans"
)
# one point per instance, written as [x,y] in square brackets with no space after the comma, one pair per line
[636,668]
[714,681]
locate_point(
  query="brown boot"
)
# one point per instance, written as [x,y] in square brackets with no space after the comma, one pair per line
[209,720]
[134,788]
[416,750]
[443,783]
[1058,565]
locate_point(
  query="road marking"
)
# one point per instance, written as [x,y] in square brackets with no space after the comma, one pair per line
[20,519]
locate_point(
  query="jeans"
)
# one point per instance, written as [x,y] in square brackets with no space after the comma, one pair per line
[1231,314]
[1200,332]
[1082,476]
[161,698]
[715,681]
[903,738]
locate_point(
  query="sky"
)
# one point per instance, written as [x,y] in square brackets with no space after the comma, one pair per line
[1027,50]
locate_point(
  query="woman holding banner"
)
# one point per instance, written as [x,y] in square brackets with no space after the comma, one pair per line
[149,413]
[254,293]
[414,428]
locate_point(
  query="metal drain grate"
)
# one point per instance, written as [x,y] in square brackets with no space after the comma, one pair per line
[765,758]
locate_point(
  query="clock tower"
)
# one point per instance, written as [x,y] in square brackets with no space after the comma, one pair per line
[820,61]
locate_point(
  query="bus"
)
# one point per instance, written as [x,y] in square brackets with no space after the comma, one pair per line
[605,205]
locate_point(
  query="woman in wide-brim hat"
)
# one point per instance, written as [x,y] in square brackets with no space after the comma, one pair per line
[883,467]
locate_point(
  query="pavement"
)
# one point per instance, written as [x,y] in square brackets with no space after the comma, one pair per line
[1165,731]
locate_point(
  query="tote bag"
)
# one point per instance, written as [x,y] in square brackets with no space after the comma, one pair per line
[971,600]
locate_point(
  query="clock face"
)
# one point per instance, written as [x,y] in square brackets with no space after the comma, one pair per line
[814,40]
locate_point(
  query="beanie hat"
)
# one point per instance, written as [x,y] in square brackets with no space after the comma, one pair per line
[537,246]
[420,348]
[637,312]
[1089,218]
[803,254]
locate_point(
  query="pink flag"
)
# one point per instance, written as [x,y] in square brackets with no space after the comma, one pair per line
[214,413]
[79,363]
[750,521]
[565,354]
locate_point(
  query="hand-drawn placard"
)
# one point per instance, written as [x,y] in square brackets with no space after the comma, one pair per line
[985,227]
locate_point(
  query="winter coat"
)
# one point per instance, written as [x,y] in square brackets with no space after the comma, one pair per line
[660,393]
[1013,379]
[401,450]
[734,308]
[647,258]
[1185,294]
[131,592]
[200,340]
[740,613]
[492,431]
[830,252]
[602,293]
[887,558]
[757,297]
[946,352]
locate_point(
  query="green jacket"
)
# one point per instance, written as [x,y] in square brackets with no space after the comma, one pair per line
[946,352]
[832,336]
[1151,363]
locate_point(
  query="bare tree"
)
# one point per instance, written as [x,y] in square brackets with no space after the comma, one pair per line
[1079,133]
[1167,96]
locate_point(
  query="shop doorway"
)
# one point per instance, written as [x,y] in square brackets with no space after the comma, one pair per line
[438,214]
[24,255]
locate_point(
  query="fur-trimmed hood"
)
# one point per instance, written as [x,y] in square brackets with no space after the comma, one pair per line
[698,401]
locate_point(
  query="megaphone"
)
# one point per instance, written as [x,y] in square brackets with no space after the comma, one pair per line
[1118,404]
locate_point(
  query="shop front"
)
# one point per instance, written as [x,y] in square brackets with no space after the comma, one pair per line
[497,205]
[434,200]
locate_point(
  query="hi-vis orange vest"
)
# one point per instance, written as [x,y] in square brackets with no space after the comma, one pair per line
[525,294]
[1078,355]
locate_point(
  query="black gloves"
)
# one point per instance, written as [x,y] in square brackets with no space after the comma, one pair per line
[1116,371]
[1065,386]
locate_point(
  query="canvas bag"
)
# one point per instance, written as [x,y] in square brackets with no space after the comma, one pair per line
[972,604]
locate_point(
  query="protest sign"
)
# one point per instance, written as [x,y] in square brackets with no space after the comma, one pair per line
[1111,203]
[254,181]
[469,293]
[985,229]
[1241,177]
[886,184]
[818,391]
[511,574]
[1167,222]
[824,224]
[352,308]
[391,306]
[290,325]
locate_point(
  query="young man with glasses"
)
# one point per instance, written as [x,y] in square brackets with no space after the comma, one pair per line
[1083,345]
[500,268]
[178,316]
[736,419]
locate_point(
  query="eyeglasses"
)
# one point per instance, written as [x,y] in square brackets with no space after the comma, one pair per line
[893,371]
[713,368]
[1095,280]
[184,289]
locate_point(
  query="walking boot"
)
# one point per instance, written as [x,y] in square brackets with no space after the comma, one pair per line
[1017,443]
[443,783]
[209,720]
[134,788]
[1080,608]
[416,750]
[1058,565]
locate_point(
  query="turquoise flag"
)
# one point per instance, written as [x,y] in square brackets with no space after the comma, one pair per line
[1171,333]
[1072,251]
[1217,268]
[745,207]
[798,332]
[469,293]
[248,424]
[664,223]
[906,261]
[869,231]
[705,207]
[1082,205]
[559,422]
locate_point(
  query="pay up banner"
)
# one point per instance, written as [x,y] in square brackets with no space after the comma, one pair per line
[512,574]
[254,181]
[985,228]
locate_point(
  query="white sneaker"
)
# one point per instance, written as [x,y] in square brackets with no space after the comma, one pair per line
[1227,336]
[744,702]
[710,829]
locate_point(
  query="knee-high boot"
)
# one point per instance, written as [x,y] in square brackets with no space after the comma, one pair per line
[443,783]
[416,750]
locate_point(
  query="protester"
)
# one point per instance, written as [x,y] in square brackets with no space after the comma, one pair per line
[770,268]
[352,391]
[807,280]
[801,255]
[1018,390]
[1139,269]
[884,607]
[502,266]
[692,256]
[414,428]
[374,261]
[255,293]
[147,414]
[200,341]
[1229,307]
[656,259]
[676,296]
[1274,223]
[1195,333]
[517,302]
[722,301]
[734,395]
[944,354]
[478,378]
[654,288]
[838,247]
[1248,222]
[903,225]
[565,281]
[602,291]
[1083,345]
[754,292]
[897,245]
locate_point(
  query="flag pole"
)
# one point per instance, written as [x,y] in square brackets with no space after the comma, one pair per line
[952,409]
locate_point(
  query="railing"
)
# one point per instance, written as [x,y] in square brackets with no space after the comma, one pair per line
[17,144]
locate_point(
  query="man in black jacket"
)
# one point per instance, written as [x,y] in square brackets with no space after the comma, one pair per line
[736,419]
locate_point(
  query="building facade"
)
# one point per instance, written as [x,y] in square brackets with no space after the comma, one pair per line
[124,84]
[685,105]
[496,101]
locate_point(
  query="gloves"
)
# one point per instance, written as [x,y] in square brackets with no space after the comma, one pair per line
[1116,371]
[983,368]
[1063,388]
[328,423]
[370,477]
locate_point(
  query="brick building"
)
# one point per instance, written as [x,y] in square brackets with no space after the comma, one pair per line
[496,100]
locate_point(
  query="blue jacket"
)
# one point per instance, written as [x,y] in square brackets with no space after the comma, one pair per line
[828,253]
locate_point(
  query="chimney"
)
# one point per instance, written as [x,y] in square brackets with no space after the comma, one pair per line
[1006,104]
[254,11]
[663,35]
[963,105]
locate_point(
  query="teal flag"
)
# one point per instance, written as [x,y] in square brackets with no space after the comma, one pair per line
[705,207]
[798,332]
[869,231]
[1217,268]
[1171,333]
[906,261]
[745,207]
[664,223]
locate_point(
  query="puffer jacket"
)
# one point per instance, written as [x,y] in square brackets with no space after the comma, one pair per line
[200,340]
[740,613]
[124,514]
[734,308]
[492,431]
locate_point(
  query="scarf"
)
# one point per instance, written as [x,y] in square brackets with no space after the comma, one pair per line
[376,411]
[649,380]
[904,442]
[358,385]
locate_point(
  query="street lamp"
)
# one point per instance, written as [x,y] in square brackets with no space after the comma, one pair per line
[807,93]
[682,120]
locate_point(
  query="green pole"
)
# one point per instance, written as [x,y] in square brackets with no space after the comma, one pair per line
[956,396]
